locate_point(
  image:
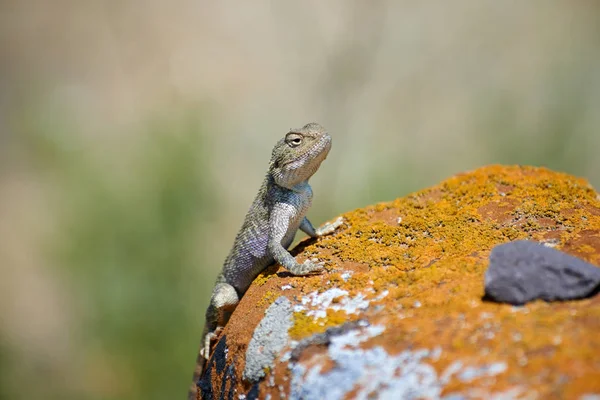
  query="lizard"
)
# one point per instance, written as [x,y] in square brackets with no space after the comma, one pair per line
[277,212]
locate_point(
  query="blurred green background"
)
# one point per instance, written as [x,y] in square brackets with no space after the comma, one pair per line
[135,134]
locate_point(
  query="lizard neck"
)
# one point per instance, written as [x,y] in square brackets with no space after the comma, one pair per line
[273,181]
[291,183]
[295,178]
[300,187]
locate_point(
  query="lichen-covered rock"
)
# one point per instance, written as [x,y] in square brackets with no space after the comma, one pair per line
[400,314]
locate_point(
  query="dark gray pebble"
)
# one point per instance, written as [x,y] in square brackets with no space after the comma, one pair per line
[523,271]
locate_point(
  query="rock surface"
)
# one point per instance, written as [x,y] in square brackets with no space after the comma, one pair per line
[400,311]
[522,271]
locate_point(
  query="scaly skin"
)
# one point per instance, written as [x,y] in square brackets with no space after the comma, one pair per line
[277,212]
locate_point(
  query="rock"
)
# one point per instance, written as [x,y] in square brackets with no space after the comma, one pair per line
[399,313]
[523,271]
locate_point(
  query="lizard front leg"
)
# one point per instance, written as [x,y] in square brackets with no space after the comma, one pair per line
[279,223]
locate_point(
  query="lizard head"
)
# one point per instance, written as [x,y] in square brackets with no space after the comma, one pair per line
[299,154]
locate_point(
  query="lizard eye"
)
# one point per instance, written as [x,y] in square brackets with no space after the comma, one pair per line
[294,140]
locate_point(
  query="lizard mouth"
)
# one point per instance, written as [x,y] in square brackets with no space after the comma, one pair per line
[321,147]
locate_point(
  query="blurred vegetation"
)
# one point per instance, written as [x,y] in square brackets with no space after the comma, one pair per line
[556,138]
[128,243]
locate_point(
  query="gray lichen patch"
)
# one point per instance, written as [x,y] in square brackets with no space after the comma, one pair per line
[268,339]
[365,372]
[316,304]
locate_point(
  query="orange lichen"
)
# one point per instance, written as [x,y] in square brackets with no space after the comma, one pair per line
[268,298]
[305,325]
[264,276]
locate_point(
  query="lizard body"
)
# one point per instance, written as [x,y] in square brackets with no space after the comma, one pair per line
[276,214]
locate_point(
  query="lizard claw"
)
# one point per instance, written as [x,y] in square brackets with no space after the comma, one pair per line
[329,227]
[313,265]
[205,350]
[210,336]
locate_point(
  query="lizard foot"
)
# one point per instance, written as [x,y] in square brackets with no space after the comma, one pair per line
[309,266]
[329,227]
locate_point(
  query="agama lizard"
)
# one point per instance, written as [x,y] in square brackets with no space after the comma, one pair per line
[277,212]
